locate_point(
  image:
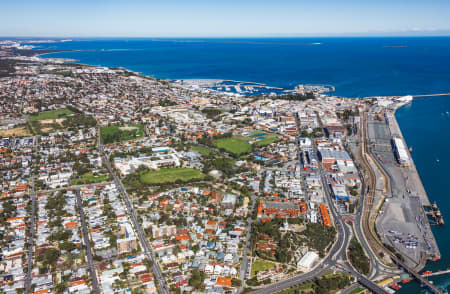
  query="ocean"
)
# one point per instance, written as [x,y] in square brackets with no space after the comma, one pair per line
[357,67]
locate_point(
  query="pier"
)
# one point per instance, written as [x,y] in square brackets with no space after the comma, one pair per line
[431,95]
[438,273]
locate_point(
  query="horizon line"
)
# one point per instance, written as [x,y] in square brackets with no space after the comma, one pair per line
[343,35]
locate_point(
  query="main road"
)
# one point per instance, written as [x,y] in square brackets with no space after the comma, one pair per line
[141,235]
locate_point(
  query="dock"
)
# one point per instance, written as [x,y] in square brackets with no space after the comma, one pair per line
[403,223]
[436,215]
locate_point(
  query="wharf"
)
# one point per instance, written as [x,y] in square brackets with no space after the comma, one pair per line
[403,222]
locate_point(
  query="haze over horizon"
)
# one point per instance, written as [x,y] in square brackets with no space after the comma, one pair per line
[245,18]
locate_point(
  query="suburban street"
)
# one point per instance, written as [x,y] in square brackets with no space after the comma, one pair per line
[85,232]
[141,235]
[244,265]
[31,239]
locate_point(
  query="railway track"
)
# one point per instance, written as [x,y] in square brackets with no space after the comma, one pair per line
[368,217]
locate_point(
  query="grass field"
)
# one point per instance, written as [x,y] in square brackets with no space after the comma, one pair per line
[90,178]
[357,291]
[171,175]
[234,145]
[112,134]
[202,150]
[52,114]
[267,141]
[261,265]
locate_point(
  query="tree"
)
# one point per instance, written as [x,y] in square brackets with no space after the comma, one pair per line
[68,246]
[195,248]
[236,282]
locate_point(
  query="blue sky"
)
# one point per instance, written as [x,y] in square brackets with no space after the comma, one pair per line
[228,18]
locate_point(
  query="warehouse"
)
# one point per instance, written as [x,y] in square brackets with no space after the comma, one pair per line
[400,151]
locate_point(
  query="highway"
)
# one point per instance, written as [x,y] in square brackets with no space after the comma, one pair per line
[85,232]
[142,238]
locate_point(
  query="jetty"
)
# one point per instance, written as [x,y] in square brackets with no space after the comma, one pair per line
[431,95]
[436,273]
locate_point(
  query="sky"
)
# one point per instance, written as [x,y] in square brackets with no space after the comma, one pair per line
[226,18]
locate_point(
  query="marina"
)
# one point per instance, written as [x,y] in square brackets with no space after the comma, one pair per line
[250,88]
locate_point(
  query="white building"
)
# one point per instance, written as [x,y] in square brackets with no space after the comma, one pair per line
[307,261]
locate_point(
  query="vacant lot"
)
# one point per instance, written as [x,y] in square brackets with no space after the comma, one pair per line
[21,131]
[121,133]
[234,145]
[171,175]
[52,114]
[261,265]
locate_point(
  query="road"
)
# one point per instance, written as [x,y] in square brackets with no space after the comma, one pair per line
[32,227]
[31,239]
[141,235]
[85,232]
[244,263]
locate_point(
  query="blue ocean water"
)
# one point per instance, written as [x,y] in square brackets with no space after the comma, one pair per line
[357,67]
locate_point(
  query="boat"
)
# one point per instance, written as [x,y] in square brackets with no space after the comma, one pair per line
[396,287]
[410,149]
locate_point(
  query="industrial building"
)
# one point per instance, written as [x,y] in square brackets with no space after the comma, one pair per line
[401,152]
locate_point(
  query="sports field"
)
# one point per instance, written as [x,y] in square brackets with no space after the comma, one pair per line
[234,145]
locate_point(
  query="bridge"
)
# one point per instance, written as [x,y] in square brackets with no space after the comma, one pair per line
[416,275]
[371,286]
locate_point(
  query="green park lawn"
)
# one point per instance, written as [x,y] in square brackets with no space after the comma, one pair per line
[264,138]
[112,134]
[261,265]
[202,150]
[90,178]
[170,175]
[52,114]
[234,145]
